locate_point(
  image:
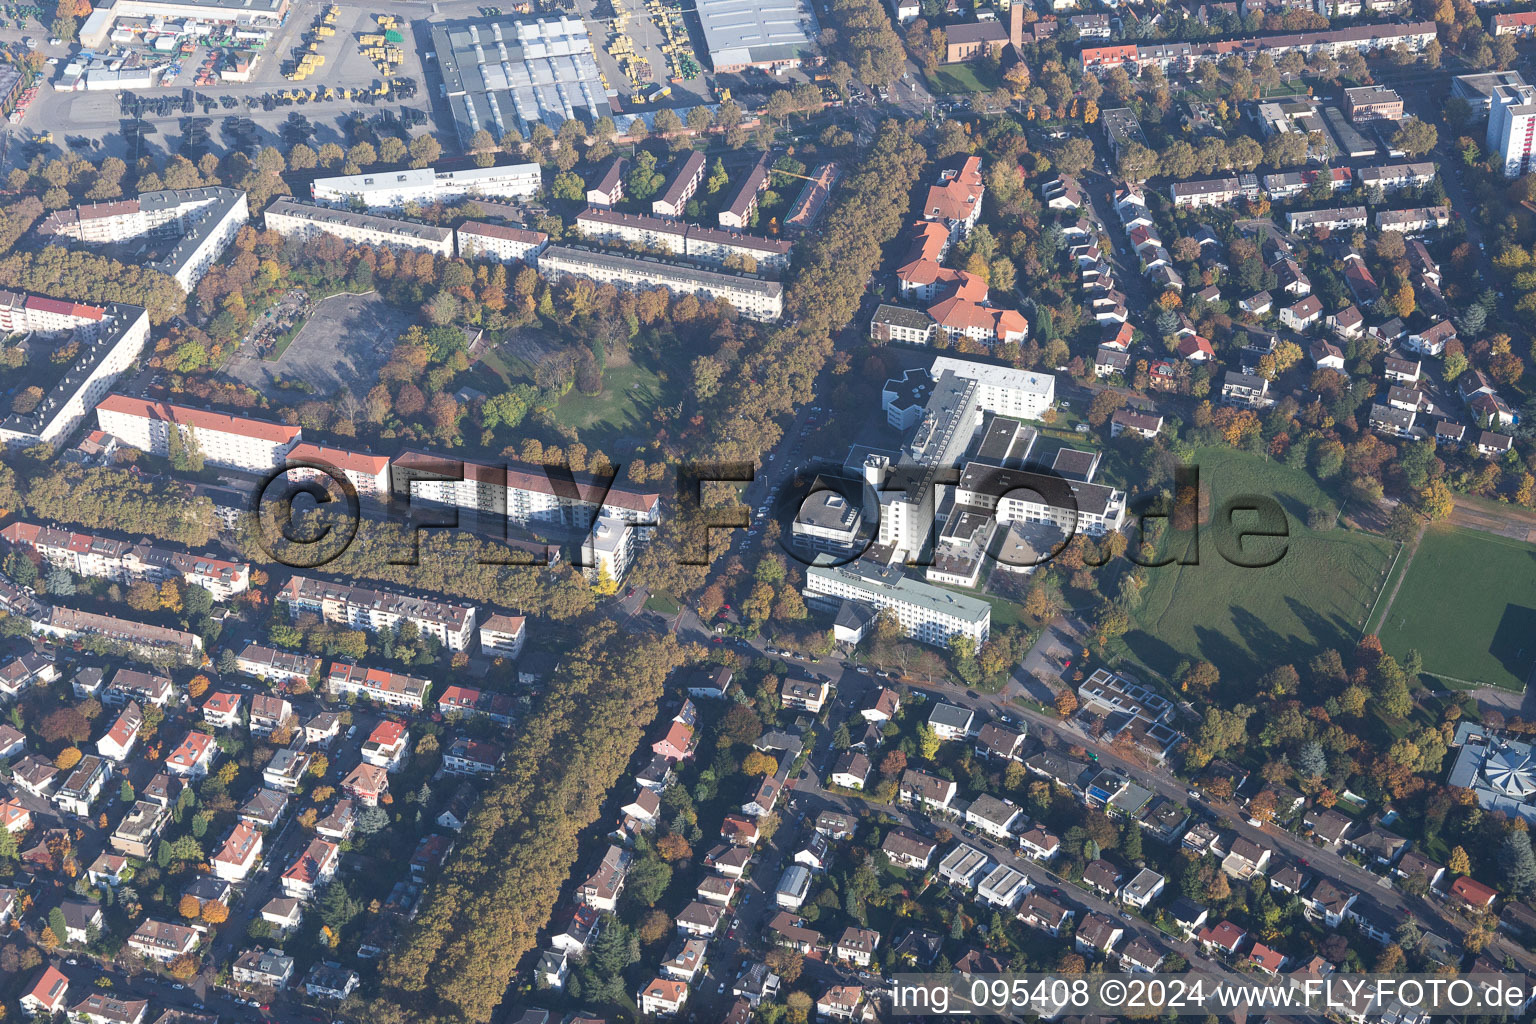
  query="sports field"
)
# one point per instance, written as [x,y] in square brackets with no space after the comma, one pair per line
[1246,621]
[1468,605]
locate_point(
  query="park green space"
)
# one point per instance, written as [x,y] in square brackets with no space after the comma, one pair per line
[1248,620]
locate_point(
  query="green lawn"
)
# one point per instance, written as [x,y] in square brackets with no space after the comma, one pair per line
[953,78]
[622,410]
[1244,620]
[1468,606]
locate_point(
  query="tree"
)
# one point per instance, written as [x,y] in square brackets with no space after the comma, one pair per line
[57,926]
[190,906]
[67,759]
[927,742]
[1074,156]
[758,763]
[1459,863]
[569,186]
[1416,137]
[1437,501]
[893,764]
[1517,862]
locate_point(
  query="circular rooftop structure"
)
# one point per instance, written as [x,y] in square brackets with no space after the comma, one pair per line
[1511,772]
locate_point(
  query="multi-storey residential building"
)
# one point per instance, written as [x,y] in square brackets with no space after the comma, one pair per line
[277,666]
[119,740]
[305,221]
[129,684]
[751,296]
[237,442]
[1520,24]
[1337,219]
[1512,128]
[604,225]
[390,190]
[927,613]
[682,187]
[479,240]
[313,869]
[1214,191]
[1413,221]
[80,790]
[955,201]
[393,688]
[87,554]
[1391,177]
[610,549]
[239,853]
[1477,90]
[609,186]
[193,756]
[69,623]
[202,220]
[738,209]
[469,702]
[1179,56]
[503,635]
[714,246]
[161,940]
[451,625]
[368,474]
[522,493]
[110,338]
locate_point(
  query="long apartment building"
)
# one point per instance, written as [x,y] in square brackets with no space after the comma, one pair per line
[754,297]
[70,624]
[744,195]
[110,337]
[1180,56]
[681,187]
[928,614]
[86,554]
[503,242]
[453,625]
[709,245]
[368,474]
[305,221]
[523,493]
[235,442]
[393,688]
[202,220]
[390,190]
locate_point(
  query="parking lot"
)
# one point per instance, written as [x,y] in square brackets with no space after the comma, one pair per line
[96,120]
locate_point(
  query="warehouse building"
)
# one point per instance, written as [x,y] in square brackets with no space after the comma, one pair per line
[767,34]
[506,74]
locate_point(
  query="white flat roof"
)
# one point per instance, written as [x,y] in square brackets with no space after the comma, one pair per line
[995,376]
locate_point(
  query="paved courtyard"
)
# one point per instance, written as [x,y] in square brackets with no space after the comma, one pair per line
[342,345]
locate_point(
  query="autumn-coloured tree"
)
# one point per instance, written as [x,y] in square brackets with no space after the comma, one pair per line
[893,764]
[1066,703]
[759,763]
[197,686]
[190,906]
[215,912]
[67,759]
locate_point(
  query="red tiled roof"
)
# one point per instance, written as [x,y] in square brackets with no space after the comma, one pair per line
[202,419]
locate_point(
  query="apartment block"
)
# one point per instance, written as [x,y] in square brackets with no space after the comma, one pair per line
[752,296]
[450,624]
[307,221]
[236,442]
